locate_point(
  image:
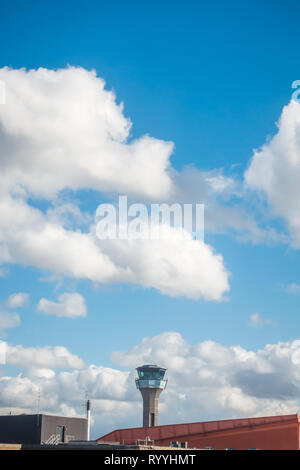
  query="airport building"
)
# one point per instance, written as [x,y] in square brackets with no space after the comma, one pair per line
[42,429]
[48,431]
[268,433]
[272,432]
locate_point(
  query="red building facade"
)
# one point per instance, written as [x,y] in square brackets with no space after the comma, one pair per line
[268,433]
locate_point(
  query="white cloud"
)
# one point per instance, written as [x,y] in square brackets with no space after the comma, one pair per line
[220,382]
[40,372]
[205,381]
[257,320]
[275,170]
[28,238]
[17,300]
[8,320]
[57,357]
[62,130]
[69,305]
[174,265]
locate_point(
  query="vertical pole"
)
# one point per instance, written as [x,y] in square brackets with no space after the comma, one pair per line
[88,415]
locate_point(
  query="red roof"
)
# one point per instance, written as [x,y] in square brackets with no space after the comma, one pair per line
[185,430]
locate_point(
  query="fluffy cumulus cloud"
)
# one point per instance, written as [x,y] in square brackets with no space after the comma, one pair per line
[29,238]
[176,265]
[68,305]
[210,381]
[57,357]
[64,392]
[17,300]
[206,381]
[275,170]
[63,130]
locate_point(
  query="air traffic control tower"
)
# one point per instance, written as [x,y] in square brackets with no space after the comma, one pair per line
[150,383]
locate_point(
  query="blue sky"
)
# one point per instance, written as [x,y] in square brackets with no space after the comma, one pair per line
[213,78]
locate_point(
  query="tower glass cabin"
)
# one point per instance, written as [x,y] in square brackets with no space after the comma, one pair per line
[150,383]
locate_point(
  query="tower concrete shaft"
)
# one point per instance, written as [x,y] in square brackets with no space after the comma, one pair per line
[150,406]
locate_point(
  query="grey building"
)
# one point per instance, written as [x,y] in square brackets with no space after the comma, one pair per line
[42,429]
